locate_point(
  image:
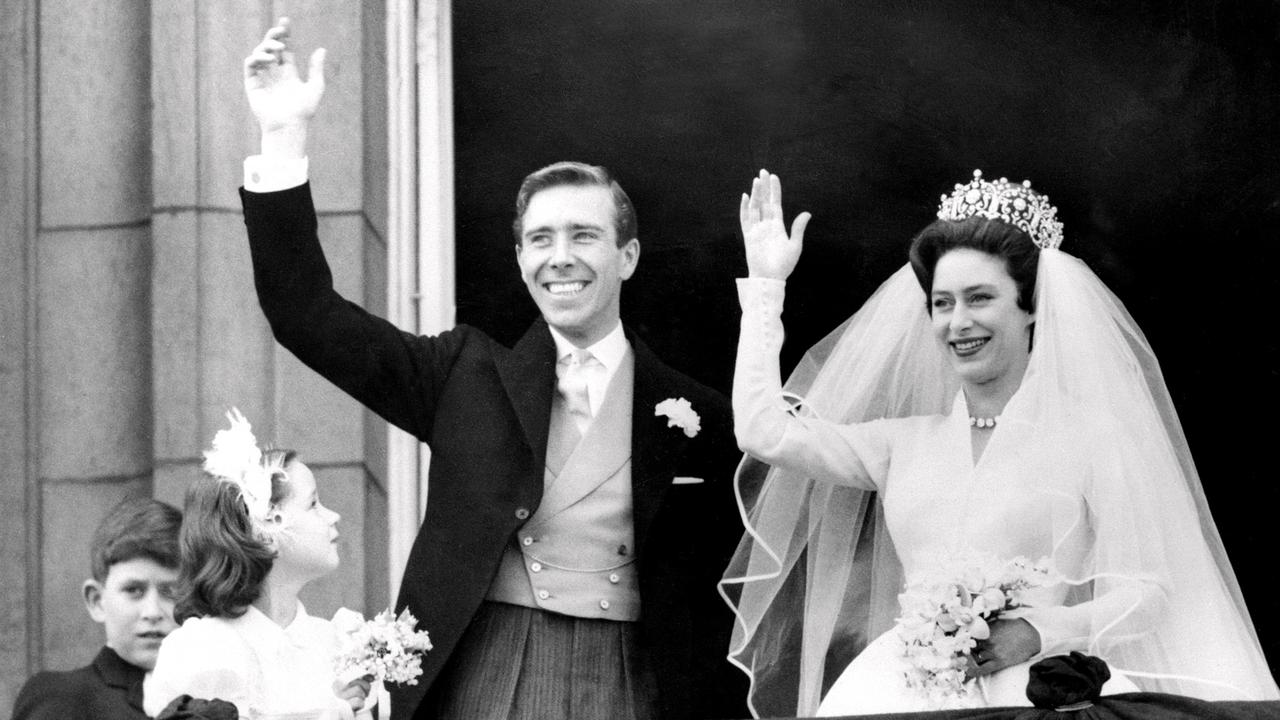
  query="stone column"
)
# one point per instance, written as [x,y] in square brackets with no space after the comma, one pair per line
[18,563]
[91,290]
[128,320]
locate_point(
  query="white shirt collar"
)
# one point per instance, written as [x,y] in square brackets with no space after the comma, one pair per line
[609,350]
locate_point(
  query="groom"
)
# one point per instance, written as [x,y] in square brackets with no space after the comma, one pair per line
[567,563]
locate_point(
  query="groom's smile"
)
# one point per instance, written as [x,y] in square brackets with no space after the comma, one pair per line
[565,289]
[571,261]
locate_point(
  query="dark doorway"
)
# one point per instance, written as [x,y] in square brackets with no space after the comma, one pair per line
[1154,127]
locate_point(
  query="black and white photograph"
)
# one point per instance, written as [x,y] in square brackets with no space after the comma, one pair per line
[642,359]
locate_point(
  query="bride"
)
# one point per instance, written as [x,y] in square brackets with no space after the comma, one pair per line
[992,397]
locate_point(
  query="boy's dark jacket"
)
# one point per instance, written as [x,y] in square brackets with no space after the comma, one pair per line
[106,689]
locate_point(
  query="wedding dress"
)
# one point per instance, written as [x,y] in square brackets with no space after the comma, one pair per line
[872,478]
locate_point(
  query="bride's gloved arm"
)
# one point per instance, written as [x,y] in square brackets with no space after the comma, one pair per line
[1103,549]
[763,421]
[1114,549]
[1125,609]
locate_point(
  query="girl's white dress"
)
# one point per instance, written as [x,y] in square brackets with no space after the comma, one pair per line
[266,670]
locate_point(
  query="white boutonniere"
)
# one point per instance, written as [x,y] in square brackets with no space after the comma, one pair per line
[679,414]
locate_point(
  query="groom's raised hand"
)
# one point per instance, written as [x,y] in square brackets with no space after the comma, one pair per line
[282,102]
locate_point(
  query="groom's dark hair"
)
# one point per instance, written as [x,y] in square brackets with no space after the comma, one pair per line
[581,175]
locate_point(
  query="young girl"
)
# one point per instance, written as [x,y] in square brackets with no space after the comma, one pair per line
[254,533]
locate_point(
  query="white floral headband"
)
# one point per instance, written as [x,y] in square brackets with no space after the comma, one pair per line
[236,459]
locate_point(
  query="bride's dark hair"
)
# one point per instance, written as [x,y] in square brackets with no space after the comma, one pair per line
[994,237]
[223,558]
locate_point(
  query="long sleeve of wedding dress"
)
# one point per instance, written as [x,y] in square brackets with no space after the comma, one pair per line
[767,426]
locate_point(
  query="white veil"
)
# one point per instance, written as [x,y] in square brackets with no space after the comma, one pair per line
[816,578]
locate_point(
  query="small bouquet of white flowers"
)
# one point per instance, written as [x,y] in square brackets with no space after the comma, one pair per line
[946,611]
[386,648]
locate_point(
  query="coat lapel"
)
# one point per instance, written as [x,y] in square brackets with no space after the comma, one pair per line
[528,374]
[654,446]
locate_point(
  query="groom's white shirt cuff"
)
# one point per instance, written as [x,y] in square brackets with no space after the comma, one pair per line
[264,174]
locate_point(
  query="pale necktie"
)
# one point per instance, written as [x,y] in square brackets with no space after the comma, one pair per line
[573,387]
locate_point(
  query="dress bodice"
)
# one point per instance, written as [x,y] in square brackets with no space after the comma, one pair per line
[938,501]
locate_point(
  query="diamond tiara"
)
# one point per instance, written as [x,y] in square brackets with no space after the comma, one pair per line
[1016,204]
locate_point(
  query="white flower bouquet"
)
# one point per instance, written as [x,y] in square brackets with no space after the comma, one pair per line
[386,648]
[946,611]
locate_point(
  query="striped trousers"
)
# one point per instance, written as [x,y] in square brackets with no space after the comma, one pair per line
[522,663]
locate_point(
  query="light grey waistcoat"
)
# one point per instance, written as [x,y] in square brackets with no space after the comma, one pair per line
[576,554]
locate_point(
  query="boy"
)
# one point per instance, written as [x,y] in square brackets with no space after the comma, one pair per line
[135,565]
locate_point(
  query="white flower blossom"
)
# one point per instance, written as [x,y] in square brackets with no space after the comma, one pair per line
[236,458]
[679,414]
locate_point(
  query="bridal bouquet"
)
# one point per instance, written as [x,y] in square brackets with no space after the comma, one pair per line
[946,611]
[388,648]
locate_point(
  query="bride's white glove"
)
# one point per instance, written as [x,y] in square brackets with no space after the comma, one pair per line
[1012,641]
[771,253]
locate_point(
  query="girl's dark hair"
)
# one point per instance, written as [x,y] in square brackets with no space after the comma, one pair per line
[223,559]
[994,237]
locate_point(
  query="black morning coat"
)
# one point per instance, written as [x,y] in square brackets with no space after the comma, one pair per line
[484,411]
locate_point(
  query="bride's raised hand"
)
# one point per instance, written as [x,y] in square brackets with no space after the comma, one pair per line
[771,252]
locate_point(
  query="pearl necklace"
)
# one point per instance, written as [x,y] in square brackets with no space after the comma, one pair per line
[983,423]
